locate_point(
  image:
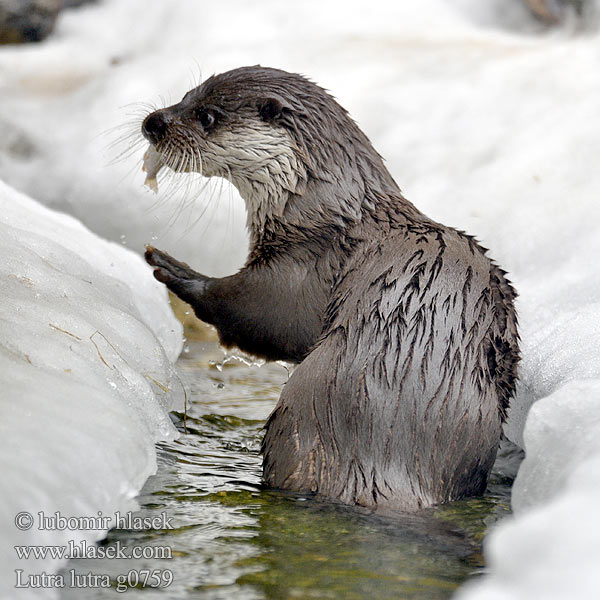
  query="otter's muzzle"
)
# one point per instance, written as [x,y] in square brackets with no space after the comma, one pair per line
[154,127]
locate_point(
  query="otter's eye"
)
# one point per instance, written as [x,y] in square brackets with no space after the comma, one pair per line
[206,118]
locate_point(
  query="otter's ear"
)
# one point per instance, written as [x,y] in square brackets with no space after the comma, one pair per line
[270,109]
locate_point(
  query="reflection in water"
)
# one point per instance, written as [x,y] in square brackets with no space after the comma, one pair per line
[312,550]
[233,539]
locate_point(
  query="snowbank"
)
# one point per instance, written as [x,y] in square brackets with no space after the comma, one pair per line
[550,549]
[488,129]
[87,341]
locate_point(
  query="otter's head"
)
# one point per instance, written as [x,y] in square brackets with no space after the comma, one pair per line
[267,131]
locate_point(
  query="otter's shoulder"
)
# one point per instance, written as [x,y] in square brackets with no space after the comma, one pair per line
[410,271]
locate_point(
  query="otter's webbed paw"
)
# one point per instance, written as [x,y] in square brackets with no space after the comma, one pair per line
[177,276]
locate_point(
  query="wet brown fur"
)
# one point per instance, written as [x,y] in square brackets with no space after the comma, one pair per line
[404,329]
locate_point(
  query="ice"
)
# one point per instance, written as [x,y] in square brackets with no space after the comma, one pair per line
[87,341]
[488,122]
[550,549]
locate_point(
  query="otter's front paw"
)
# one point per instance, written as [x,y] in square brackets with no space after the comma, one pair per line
[177,276]
[168,269]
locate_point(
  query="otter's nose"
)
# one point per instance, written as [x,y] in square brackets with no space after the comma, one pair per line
[154,127]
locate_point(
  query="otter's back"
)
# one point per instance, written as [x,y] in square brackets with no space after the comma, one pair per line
[407,414]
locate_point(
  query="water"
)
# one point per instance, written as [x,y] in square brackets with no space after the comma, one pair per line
[233,539]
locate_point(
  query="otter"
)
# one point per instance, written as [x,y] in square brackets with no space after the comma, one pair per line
[404,330]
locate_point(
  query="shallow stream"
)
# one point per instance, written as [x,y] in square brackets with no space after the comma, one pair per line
[233,539]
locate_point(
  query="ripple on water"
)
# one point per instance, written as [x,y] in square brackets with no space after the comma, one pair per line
[233,539]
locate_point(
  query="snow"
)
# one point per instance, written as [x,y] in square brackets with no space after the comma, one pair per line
[87,341]
[550,549]
[488,122]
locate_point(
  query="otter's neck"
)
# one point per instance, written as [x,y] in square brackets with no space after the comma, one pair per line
[332,188]
[267,188]
[293,207]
